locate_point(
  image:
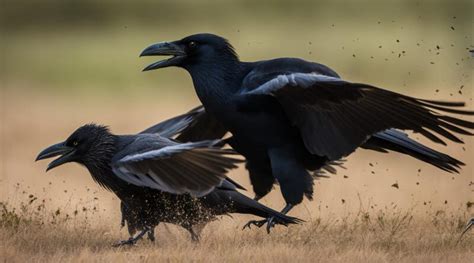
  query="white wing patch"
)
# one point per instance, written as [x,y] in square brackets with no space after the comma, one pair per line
[195,168]
[160,153]
[303,80]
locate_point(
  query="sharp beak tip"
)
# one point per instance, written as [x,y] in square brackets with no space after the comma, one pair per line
[149,51]
[39,157]
[55,150]
[55,164]
[48,168]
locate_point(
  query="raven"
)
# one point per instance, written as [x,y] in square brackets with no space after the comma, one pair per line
[289,116]
[159,179]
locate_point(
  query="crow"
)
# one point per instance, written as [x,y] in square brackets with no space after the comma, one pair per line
[289,116]
[158,179]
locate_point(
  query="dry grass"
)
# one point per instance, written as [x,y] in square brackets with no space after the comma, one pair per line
[391,235]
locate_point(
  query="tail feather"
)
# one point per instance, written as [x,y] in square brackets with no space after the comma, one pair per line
[400,142]
[245,205]
[328,168]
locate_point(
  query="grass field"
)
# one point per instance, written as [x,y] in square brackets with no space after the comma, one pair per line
[389,236]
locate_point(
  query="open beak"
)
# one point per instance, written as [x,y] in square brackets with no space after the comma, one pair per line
[66,154]
[164,49]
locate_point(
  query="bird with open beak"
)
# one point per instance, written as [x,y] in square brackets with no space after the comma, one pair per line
[159,179]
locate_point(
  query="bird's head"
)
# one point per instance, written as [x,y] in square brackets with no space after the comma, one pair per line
[199,49]
[88,145]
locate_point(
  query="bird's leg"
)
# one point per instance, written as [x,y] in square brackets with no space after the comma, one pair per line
[194,236]
[469,225]
[151,234]
[287,209]
[122,221]
[122,211]
[133,240]
[258,223]
[269,221]
[198,228]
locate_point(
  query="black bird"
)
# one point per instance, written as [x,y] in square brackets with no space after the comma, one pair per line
[159,179]
[289,116]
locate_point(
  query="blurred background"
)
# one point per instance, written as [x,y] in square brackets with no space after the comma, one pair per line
[67,63]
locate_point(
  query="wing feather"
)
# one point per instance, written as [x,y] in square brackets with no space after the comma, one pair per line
[195,168]
[175,125]
[335,116]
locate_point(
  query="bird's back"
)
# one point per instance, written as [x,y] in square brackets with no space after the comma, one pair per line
[266,70]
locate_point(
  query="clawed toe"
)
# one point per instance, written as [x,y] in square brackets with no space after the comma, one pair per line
[133,240]
[270,224]
[128,242]
[258,223]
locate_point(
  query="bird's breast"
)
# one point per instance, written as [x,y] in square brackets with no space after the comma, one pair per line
[260,128]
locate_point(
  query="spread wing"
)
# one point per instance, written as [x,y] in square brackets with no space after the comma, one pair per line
[178,168]
[195,125]
[335,117]
[175,125]
[203,127]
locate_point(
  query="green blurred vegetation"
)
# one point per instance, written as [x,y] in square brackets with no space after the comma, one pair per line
[80,46]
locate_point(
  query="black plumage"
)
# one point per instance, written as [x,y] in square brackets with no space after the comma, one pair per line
[289,116]
[159,179]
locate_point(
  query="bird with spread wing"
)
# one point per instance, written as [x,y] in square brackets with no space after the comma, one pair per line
[160,179]
[290,117]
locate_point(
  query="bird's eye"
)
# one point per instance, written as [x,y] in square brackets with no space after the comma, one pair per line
[192,44]
[75,143]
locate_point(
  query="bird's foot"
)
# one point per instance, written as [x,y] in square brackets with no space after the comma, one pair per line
[129,242]
[259,223]
[468,226]
[270,224]
[133,240]
[151,235]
